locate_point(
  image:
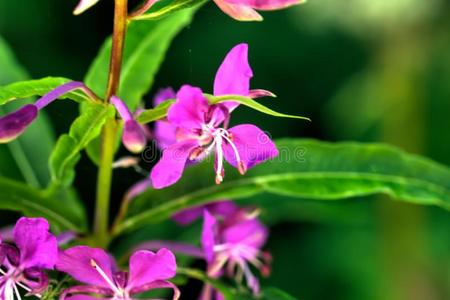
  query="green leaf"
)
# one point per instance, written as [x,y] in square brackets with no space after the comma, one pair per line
[304,169]
[145,48]
[275,294]
[168,9]
[83,130]
[249,102]
[61,212]
[157,113]
[26,157]
[38,87]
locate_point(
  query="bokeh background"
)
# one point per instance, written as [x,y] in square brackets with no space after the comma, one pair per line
[363,70]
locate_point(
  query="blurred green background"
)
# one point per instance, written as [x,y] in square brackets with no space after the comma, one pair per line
[362,70]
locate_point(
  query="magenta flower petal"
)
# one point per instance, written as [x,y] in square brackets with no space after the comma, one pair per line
[133,136]
[234,74]
[190,108]
[209,232]
[165,132]
[267,4]
[38,247]
[238,12]
[84,5]
[147,267]
[251,232]
[163,95]
[13,124]
[171,166]
[252,144]
[79,262]
[223,208]
[83,297]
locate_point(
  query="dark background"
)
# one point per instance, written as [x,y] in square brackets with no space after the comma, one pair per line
[361,70]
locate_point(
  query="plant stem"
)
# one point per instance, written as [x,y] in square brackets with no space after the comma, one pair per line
[109,132]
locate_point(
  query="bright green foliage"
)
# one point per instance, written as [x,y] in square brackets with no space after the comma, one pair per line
[169,9]
[38,87]
[145,49]
[83,130]
[305,169]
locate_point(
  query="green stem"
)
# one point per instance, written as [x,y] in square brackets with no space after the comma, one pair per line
[109,133]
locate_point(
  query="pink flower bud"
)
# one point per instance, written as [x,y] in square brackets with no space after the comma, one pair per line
[13,124]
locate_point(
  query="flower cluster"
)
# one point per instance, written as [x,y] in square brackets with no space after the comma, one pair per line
[34,249]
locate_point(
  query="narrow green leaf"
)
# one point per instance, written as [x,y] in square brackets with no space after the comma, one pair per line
[145,48]
[157,113]
[38,87]
[83,130]
[168,9]
[26,157]
[62,212]
[304,169]
[249,102]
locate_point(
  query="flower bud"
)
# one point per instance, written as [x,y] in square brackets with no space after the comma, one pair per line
[133,137]
[13,124]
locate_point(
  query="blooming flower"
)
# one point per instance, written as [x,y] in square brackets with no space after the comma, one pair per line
[15,123]
[133,136]
[22,263]
[198,134]
[98,270]
[245,10]
[231,243]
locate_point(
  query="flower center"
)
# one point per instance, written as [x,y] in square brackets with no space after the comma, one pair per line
[9,280]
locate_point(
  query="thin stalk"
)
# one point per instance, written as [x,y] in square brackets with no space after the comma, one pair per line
[109,132]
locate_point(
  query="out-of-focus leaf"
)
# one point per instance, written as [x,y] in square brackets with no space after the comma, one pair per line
[305,169]
[38,87]
[26,158]
[167,10]
[83,130]
[145,48]
[61,212]
[275,294]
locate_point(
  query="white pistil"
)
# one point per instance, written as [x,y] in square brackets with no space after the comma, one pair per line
[106,278]
[241,166]
[17,292]
[219,151]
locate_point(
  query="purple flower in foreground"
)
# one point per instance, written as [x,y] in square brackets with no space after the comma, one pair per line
[22,263]
[232,78]
[199,133]
[97,269]
[133,136]
[14,124]
[232,239]
[245,10]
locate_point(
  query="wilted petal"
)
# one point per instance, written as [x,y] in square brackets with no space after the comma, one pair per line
[209,232]
[171,165]
[133,137]
[267,4]
[13,124]
[84,5]
[238,11]
[234,74]
[252,144]
[190,109]
[38,247]
[147,267]
[258,93]
[78,263]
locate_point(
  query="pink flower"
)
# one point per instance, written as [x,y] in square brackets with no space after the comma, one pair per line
[23,263]
[98,271]
[245,10]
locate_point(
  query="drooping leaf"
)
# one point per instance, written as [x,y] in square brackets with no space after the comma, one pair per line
[306,169]
[167,10]
[83,130]
[145,48]
[38,87]
[60,212]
